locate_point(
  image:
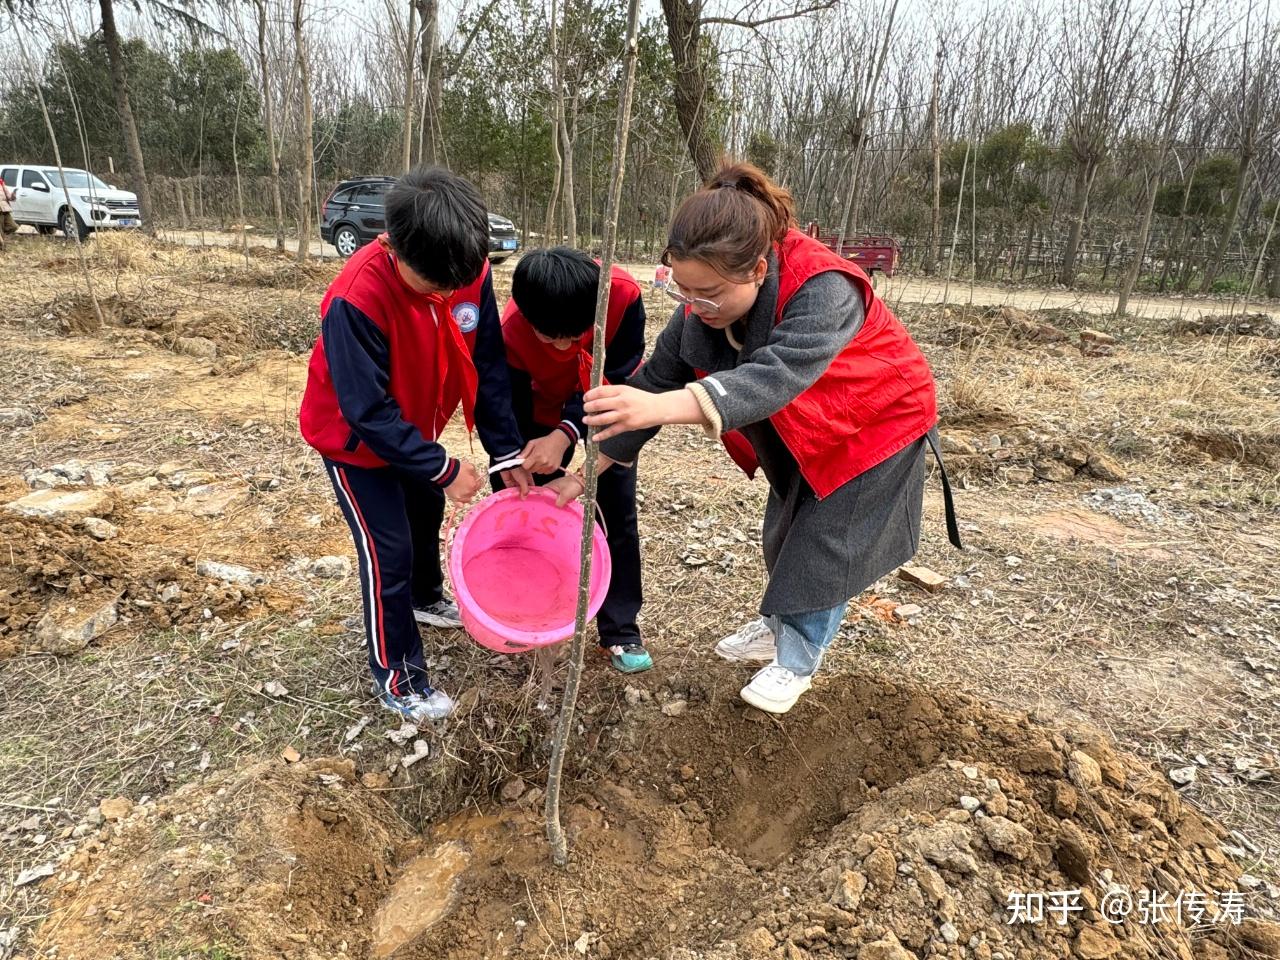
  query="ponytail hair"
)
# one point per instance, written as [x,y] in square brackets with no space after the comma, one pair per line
[731,222]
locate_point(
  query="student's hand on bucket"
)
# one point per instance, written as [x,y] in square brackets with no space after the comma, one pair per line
[466,484]
[518,477]
[545,454]
[615,409]
[569,487]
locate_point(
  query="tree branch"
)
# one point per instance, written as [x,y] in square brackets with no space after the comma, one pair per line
[757,24]
[466,45]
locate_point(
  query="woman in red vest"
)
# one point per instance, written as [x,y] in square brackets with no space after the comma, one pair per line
[782,350]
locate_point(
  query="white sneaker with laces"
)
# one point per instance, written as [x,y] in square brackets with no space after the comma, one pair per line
[775,689]
[442,613]
[753,643]
[417,708]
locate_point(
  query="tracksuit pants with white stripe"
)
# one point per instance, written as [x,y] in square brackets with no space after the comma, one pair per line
[395,522]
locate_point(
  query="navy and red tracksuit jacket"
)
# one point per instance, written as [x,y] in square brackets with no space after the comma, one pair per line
[391,366]
[547,384]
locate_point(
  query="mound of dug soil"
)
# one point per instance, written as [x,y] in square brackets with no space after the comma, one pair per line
[878,821]
[1237,324]
[49,566]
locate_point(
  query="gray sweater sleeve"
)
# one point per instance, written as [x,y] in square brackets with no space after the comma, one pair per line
[819,321]
[662,371]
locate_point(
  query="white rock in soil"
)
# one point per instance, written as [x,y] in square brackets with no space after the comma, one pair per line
[33,874]
[67,505]
[73,627]
[420,751]
[402,736]
[100,529]
[1183,776]
[228,572]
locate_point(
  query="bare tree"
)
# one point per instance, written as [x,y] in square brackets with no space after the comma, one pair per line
[564,726]
[557,122]
[1099,38]
[1174,84]
[1247,109]
[935,152]
[120,86]
[268,119]
[306,143]
[867,86]
[409,45]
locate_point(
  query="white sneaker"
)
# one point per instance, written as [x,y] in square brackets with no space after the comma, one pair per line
[775,689]
[417,708]
[754,643]
[442,613]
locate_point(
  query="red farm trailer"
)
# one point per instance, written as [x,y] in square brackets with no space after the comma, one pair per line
[871,253]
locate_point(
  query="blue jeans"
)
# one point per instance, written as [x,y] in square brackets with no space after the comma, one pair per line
[803,638]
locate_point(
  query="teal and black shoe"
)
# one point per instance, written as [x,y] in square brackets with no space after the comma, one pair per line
[629,658]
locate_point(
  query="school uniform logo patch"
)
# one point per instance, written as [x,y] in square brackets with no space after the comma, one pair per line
[467,316]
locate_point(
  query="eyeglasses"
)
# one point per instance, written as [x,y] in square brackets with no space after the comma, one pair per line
[698,303]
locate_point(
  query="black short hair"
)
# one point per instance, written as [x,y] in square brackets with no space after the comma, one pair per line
[556,291]
[439,227]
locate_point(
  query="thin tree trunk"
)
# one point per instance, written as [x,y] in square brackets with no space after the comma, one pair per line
[235,160]
[591,188]
[955,233]
[1273,290]
[557,118]
[564,726]
[1180,244]
[1079,204]
[1168,120]
[935,143]
[268,117]
[1262,258]
[432,150]
[1214,267]
[306,173]
[406,139]
[120,86]
[569,133]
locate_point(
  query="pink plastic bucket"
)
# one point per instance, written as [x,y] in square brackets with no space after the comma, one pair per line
[514,567]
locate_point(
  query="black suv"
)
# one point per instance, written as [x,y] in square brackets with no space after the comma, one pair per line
[353,215]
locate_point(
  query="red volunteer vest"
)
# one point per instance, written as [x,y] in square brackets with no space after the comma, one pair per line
[559,374]
[877,397]
[430,340]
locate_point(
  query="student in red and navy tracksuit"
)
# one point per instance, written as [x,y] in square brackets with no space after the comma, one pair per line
[410,331]
[547,329]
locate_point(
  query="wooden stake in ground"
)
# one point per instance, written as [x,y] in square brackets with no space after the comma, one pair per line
[559,744]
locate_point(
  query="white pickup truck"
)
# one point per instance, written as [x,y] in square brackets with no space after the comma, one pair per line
[41,201]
